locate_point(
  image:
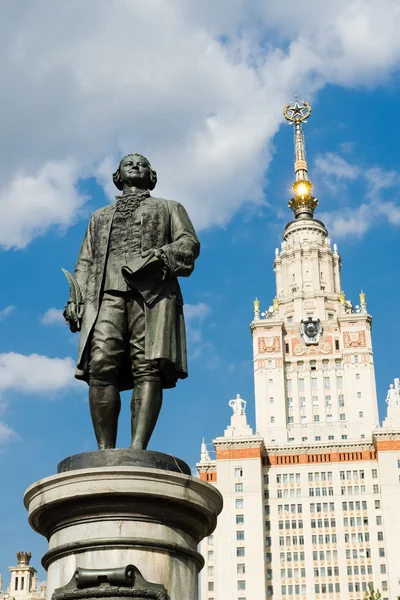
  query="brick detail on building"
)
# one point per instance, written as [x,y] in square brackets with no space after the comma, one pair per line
[302,459]
[238,453]
[382,445]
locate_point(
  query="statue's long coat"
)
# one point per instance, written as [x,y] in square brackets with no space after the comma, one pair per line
[166,226]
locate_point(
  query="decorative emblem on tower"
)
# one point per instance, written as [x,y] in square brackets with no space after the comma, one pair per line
[311,330]
[303,203]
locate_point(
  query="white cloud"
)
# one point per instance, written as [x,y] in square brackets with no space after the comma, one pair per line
[198,87]
[31,204]
[333,165]
[35,374]
[196,311]
[6,311]
[6,433]
[53,316]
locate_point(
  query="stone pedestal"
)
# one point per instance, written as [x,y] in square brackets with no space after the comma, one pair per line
[105,518]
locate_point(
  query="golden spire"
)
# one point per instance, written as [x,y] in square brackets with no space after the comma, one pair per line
[303,203]
[256,305]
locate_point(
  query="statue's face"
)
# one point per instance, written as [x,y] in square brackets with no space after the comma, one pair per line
[135,171]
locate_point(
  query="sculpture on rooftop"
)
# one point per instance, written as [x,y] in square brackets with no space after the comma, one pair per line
[126,302]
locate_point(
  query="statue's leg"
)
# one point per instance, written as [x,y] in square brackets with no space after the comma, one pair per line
[106,356]
[105,406]
[147,394]
[145,406]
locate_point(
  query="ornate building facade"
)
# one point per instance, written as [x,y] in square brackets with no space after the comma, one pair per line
[23,583]
[310,500]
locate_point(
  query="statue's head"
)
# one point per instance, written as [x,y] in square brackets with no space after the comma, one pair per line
[135,170]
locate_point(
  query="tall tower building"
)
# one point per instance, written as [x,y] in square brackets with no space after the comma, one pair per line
[23,584]
[310,498]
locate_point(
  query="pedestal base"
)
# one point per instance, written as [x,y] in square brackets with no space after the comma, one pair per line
[110,517]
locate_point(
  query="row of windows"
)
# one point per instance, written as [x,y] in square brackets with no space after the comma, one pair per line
[315,401]
[322,523]
[361,553]
[326,571]
[289,540]
[322,507]
[288,556]
[314,382]
[296,573]
[288,478]
[326,588]
[353,521]
[324,539]
[357,537]
[290,508]
[355,490]
[323,555]
[313,365]
[293,589]
[357,505]
[318,438]
[361,570]
[320,491]
[360,586]
[323,476]
[291,524]
[292,493]
[316,419]
[355,475]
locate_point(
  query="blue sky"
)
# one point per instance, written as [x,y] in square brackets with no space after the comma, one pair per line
[200,90]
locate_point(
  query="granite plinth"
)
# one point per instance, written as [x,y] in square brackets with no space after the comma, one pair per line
[108,517]
[125,457]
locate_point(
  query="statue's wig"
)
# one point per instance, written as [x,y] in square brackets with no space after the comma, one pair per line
[117,175]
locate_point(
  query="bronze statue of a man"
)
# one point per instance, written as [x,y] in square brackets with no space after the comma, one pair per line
[131,316]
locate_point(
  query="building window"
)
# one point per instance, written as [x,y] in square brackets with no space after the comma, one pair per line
[239,503]
[210,571]
[241,584]
[239,519]
[286,348]
[316,418]
[300,367]
[341,400]
[302,402]
[325,365]
[16,583]
[342,416]
[290,419]
[376,489]
[357,375]
[317,438]
[290,402]
[327,383]
[238,472]
[240,551]
[240,535]
[241,569]
[210,555]
[210,586]
[272,419]
[304,439]
[360,414]
[381,552]
[238,487]
[301,385]
[380,536]
[358,394]
[210,540]
[355,358]
[331,437]
[314,383]
[288,367]
[377,504]
[329,417]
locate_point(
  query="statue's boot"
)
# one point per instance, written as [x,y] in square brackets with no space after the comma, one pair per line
[145,406]
[105,406]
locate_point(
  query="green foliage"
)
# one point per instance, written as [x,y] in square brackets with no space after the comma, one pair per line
[371,594]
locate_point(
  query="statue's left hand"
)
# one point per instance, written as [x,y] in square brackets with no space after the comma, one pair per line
[72,317]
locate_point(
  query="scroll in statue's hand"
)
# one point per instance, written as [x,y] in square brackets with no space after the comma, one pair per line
[72,316]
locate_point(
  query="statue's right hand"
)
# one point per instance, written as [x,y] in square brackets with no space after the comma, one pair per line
[71,316]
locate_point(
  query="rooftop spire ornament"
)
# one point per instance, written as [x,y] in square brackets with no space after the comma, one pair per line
[303,203]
